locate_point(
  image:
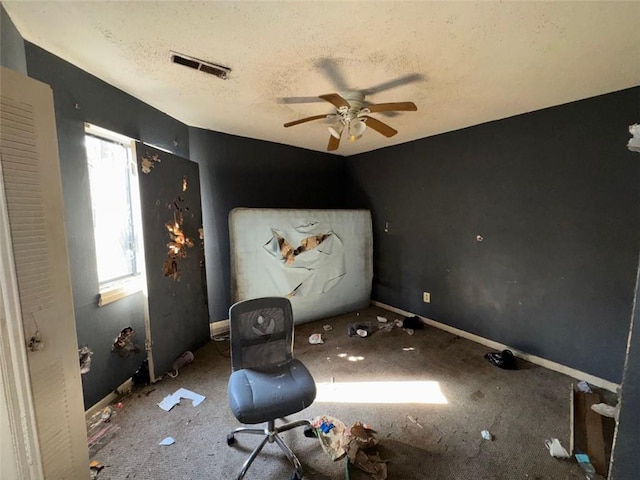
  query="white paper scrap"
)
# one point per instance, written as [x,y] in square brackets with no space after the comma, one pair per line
[382,319]
[172,400]
[167,441]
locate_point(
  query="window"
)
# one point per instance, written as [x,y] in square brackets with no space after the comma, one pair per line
[115,205]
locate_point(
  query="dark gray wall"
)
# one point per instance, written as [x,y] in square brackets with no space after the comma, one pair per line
[79,97]
[234,171]
[626,461]
[12,53]
[553,193]
[241,172]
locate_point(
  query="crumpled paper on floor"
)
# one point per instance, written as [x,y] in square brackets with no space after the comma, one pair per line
[362,453]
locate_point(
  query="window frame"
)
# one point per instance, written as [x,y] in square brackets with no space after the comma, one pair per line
[114,289]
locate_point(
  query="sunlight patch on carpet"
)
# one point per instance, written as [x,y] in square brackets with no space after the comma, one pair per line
[381,392]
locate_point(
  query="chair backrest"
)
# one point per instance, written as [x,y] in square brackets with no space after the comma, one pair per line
[261,332]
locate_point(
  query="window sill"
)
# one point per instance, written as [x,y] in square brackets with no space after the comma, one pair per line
[116,291]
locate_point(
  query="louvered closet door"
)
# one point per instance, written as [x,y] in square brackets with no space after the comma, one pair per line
[33,189]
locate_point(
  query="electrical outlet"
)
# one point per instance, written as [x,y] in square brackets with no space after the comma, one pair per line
[426,297]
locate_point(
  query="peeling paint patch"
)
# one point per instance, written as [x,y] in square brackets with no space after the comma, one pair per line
[148,162]
[170,267]
[179,242]
[123,345]
[84,354]
[177,249]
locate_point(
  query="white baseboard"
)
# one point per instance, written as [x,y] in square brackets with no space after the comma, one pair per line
[571,372]
[126,387]
[219,327]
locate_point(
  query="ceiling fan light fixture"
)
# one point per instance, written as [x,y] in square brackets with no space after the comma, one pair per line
[336,130]
[356,129]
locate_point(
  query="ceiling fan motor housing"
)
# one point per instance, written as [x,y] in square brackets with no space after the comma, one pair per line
[356,101]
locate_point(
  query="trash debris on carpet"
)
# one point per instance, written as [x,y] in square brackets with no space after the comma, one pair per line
[358,443]
[95,468]
[172,400]
[504,359]
[556,449]
[359,329]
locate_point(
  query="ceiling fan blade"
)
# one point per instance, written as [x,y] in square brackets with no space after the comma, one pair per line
[333,143]
[303,120]
[336,100]
[290,100]
[380,127]
[331,70]
[392,107]
[412,77]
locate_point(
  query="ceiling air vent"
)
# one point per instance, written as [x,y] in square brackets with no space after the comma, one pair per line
[197,64]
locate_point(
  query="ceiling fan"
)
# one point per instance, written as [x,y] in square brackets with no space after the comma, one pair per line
[353,115]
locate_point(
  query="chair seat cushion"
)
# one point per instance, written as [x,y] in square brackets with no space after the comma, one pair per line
[258,395]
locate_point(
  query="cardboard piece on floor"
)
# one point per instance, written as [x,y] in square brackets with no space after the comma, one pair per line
[595,438]
[588,431]
[172,400]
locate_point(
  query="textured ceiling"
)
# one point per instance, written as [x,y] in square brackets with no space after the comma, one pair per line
[469,62]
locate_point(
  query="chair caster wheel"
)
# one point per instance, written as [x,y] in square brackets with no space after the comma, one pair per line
[231,439]
[309,432]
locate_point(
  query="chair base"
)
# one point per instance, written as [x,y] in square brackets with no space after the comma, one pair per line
[270,433]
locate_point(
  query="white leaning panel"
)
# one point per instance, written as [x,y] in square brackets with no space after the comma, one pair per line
[330,279]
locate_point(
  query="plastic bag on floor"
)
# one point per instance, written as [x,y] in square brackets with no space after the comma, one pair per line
[503,359]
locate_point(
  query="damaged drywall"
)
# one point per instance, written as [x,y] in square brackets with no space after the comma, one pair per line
[177,249]
[124,343]
[179,242]
[84,355]
[149,161]
[174,261]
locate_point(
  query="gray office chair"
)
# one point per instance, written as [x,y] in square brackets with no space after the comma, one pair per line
[266,382]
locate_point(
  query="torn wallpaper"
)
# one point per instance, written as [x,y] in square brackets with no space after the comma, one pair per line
[320,259]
